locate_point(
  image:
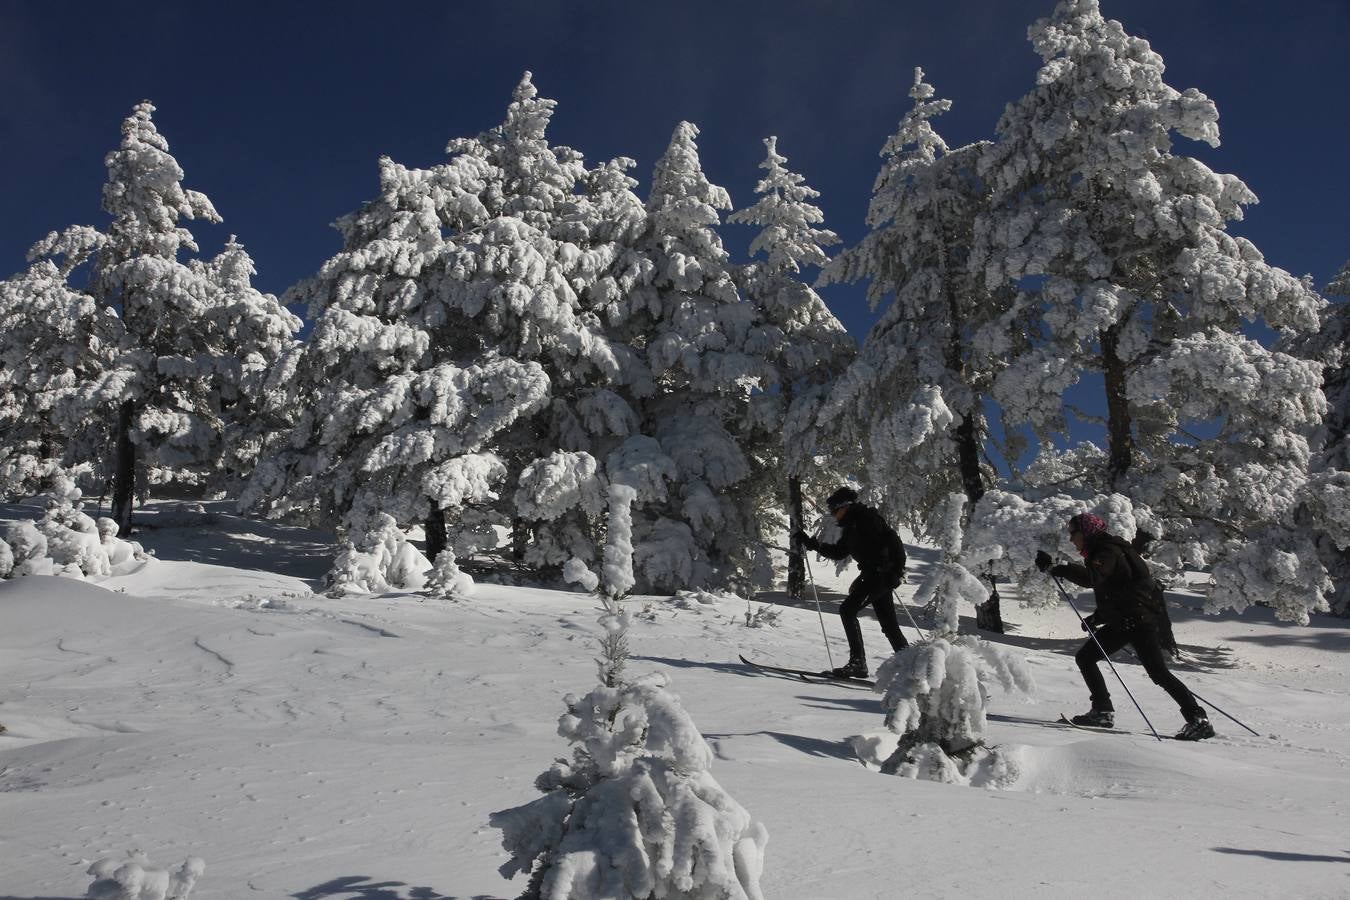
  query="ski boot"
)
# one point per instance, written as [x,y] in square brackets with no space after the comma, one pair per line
[1196,729]
[1097,718]
[854,668]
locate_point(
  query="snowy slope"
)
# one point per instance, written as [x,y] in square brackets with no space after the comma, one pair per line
[307,747]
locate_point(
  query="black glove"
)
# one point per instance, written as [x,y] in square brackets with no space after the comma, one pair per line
[802,539]
[1043,560]
[1088,623]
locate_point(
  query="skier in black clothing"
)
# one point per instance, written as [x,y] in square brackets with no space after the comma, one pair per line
[880,556]
[1125,614]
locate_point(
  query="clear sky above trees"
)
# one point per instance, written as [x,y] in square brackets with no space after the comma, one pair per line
[280,113]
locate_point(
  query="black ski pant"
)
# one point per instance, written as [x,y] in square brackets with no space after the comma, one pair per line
[1144,640]
[874,589]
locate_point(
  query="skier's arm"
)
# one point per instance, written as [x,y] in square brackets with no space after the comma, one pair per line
[1075,572]
[830,551]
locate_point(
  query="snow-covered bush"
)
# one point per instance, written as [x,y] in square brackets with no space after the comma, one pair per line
[446,579]
[134,878]
[575,571]
[73,540]
[29,548]
[937,690]
[123,556]
[636,812]
[6,559]
[67,542]
[377,557]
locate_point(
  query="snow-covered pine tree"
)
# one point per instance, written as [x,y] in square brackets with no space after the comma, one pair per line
[636,813]
[1119,247]
[54,338]
[396,398]
[1327,497]
[914,399]
[697,522]
[167,345]
[803,342]
[255,333]
[447,330]
[580,224]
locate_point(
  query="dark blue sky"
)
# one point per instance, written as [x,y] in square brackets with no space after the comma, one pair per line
[278,112]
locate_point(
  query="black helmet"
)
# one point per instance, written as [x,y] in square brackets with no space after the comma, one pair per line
[841,498]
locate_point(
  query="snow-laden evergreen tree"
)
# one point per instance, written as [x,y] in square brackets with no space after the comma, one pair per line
[635,813]
[1327,497]
[154,350]
[1119,248]
[697,521]
[453,366]
[255,332]
[576,222]
[913,404]
[938,689]
[54,338]
[803,342]
[167,343]
[914,398]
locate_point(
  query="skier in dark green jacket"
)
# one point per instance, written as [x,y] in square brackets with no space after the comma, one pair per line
[880,556]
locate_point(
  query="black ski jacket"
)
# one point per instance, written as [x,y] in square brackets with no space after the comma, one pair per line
[1119,578]
[873,544]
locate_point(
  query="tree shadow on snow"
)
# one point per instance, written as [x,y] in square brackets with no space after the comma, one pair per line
[1331,641]
[1283,855]
[361,887]
[736,668]
[866,703]
[221,537]
[809,745]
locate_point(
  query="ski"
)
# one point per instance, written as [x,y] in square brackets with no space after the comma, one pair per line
[809,676]
[1065,720]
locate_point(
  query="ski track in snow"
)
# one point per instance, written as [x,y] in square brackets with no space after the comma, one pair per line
[353,748]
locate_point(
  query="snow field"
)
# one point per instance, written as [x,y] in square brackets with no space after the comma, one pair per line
[308,746]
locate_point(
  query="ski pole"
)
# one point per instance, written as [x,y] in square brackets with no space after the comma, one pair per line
[1106,656]
[896,600]
[823,636]
[1215,708]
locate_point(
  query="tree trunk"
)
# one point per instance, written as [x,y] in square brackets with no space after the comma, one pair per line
[968,456]
[437,539]
[520,539]
[796,577]
[124,470]
[1118,425]
[988,615]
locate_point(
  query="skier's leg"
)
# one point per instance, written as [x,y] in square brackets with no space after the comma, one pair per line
[1111,638]
[848,614]
[1149,650]
[883,604]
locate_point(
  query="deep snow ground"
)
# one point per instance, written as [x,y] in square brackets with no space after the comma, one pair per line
[308,747]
